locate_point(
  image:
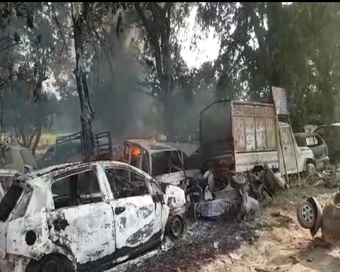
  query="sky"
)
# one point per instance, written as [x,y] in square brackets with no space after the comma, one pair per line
[207,49]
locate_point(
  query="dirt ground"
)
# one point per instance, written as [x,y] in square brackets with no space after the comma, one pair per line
[271,241]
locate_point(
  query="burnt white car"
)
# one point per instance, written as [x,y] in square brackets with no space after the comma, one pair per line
[85,217]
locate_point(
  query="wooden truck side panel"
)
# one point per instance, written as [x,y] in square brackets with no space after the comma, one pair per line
[254,135]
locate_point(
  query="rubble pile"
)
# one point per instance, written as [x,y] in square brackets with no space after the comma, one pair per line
[330,177]
[223,192]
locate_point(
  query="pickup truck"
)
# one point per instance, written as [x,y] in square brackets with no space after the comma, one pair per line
[245,135]
[69,149]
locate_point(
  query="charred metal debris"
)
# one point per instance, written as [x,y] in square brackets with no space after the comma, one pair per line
[223,192]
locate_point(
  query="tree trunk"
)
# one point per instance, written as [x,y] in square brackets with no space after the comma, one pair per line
[37,138]
[168,117]
[83,92]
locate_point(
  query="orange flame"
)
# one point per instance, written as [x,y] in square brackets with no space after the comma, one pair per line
[135,151]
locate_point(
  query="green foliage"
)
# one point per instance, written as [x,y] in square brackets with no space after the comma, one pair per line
[293,46]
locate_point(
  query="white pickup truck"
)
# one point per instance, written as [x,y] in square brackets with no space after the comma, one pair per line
[245,135]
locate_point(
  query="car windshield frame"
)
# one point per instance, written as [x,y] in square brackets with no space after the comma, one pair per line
[166,162]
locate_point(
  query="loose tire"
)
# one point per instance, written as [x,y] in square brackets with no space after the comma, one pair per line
[306,215]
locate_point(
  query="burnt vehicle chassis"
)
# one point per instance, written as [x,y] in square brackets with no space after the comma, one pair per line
[224,192]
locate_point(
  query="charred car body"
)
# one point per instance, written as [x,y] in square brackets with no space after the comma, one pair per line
[49,218]
[162,161]
[6,179]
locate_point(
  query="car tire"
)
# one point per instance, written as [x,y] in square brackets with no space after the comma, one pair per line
[175,227]
[51,263]
[306,215]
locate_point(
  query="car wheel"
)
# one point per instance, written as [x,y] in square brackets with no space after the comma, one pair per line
[306,215]
[51,263]
[175,227]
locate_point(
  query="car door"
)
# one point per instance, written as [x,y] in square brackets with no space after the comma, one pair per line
[288,150]
[82,221]
[138,217]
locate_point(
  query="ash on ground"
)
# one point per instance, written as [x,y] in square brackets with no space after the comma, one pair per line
[202,241]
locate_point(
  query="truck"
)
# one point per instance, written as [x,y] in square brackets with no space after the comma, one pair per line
[246,136]
[68,148]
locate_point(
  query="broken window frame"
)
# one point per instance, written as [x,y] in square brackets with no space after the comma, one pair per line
[121,177]
[10,214]
[76,172]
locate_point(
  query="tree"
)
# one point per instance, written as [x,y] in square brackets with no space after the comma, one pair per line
[279,45]
[160,22]
[27,60]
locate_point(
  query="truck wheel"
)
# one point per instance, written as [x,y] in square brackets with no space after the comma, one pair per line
[175,227]
[306,215]
[51,263]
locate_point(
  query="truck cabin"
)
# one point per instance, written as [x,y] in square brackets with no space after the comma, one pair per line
[152,157]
